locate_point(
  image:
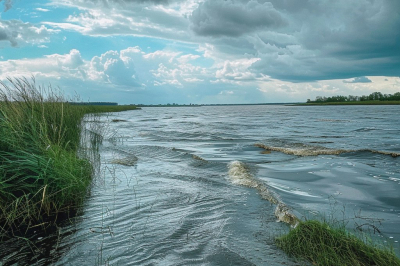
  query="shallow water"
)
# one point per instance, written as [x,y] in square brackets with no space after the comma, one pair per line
[188,186]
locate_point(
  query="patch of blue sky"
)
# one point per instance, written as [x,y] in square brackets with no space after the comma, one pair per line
[146,44]
[89,46]
[184,48]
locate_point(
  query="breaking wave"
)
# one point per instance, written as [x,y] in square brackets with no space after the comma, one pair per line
[127,161]
[306,150]
[240,174]
[196,157]
[303,150]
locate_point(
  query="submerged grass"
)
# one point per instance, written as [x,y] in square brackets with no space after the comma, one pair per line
[322,244]
[41,175]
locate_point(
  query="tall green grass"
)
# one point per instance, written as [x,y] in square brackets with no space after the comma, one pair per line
[322,244]
[41,174]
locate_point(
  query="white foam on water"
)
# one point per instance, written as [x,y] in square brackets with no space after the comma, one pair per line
[306,150]
[239,174]
[303,151]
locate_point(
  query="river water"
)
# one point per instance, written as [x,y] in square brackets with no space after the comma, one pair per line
[213,185]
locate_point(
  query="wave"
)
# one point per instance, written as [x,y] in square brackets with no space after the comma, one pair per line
[333,120]
[364,129]
[307,150]
[240,174]
[123,157]
[303,150]
[393,154]
[196,157]
[127,161]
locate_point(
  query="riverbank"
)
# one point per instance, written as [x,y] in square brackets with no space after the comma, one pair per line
[42,178]
[165,195]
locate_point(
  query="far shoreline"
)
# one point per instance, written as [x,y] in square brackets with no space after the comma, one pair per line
[349,103]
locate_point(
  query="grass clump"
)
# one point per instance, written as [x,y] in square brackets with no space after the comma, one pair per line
[41,175]
[321,244]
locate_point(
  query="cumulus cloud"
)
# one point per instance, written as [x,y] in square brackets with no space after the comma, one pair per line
[17,33]
[69,65]
[116,68]
[358,80]
[112,68]
[175,69]
[236,71]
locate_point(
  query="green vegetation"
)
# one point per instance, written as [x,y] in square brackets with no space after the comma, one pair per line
[322,244]
[374,98]
[42,178]
[353,103]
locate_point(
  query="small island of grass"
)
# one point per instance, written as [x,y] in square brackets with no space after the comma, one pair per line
[323,244]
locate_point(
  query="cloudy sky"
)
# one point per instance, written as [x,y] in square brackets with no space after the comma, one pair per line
[203,51]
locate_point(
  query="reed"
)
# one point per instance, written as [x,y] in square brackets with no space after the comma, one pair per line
[323,244]
[41,175]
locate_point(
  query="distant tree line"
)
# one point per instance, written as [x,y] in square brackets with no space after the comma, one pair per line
[375,96]
[93,103]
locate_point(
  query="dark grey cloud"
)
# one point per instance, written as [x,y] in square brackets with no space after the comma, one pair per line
[332,40]
[356,29]
[8,32]
[234,18]
[358,80]
[7,4]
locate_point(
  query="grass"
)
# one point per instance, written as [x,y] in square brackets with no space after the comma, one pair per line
[321,244]
[41,175]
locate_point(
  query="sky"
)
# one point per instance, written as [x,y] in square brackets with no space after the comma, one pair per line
[203,51]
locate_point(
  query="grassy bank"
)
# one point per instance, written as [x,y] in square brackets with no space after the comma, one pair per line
[352,103]
[41,175]
[321,244]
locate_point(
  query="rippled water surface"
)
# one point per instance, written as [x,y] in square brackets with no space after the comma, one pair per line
[188,186]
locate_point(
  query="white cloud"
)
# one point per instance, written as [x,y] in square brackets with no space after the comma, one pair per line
[127,18]
[19,33]
[68,65]
[226,92]
[42,9]
[115,68]
[186,58]
[236,71]
[358,80]
[162,54]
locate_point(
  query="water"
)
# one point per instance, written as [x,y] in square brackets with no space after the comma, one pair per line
[188,186]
